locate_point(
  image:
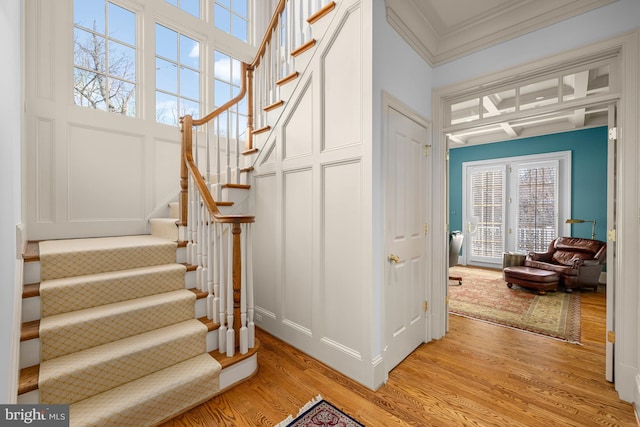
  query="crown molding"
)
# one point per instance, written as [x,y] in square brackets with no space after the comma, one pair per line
[418,23]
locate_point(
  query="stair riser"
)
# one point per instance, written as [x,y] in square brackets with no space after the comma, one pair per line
[30,349]
[91,256]
[99,326]
[31,307]
[100,369]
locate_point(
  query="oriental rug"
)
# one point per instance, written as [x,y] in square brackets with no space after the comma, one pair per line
[319,412]
[484,295]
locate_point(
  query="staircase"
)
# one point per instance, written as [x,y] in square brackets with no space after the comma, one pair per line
[134,330]
[115,328]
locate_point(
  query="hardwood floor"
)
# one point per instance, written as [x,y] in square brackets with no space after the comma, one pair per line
[478,375]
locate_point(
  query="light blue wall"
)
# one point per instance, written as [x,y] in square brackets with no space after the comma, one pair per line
[588,172]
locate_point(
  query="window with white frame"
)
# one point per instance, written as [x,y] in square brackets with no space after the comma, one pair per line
[177,75]
[514,204]
[228,77]
[190,6]
[104,72]
[232,17]
[537,221]
[487,195]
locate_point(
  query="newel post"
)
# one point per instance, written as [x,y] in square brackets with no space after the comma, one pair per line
[185,146]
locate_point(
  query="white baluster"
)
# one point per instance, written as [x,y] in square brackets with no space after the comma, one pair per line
[237,143]
[222,331]
[216,272]
[210,266]
[251,327]
[230,332]
[189,218]
[243,336]
[228,176]
[218,192]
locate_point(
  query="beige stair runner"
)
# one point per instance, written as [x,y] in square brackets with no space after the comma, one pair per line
[119,338]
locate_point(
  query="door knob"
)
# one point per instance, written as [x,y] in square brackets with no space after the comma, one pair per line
[394,258]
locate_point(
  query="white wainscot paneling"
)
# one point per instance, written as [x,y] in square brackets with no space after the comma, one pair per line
[298,132]
[298,250]
[342,106]
[45,169]
[343,249]
[265,256]
[106,175]
[167,169]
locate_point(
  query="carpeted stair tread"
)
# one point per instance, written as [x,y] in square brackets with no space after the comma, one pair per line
[70,332]
[77,257]
[152,398]
[80,292]
[78,376]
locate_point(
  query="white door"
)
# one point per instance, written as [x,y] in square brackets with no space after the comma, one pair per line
[405,201]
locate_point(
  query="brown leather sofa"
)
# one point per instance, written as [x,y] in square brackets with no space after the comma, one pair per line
[577,261]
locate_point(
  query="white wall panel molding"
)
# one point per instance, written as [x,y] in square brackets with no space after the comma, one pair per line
[45,169]
[298,133]
[342,97]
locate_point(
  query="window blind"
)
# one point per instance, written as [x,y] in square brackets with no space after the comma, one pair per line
[487,206]
[537,206]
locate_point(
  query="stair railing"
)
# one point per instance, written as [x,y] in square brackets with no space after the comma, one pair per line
[220,245]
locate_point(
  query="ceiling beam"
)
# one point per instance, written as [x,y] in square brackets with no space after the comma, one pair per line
[491,108]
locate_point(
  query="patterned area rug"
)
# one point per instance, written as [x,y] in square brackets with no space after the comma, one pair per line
[319,412]
[484,295]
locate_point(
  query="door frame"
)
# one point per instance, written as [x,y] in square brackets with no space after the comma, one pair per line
[625,267]
[391,102]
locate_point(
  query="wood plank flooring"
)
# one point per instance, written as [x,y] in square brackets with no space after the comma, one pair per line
[478,375]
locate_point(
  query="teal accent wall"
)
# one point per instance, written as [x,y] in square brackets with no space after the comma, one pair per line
[588,173]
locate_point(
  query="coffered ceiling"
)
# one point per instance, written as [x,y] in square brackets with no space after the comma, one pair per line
[443,30]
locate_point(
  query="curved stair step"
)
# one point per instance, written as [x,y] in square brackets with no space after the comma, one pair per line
[153,398]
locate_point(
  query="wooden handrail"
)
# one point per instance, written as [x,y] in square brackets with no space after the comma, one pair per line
[267,35]
[212,207]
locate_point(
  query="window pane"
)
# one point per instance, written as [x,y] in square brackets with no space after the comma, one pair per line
[166,109]
[465,111]
[122,97]
[90,14]
[539,94]
[166,75]
[189,52]
[537,207]
[122,61]
[240,7]
[222,19]
[487,208]
[87,89]
[166,43]
[189,83]
[499,103]
[89,51]
[225,3]
[222,92]
[122,24]
[191,6]
[239,28]
[189,107]
[222,66]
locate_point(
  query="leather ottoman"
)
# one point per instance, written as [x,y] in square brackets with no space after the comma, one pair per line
[530,277]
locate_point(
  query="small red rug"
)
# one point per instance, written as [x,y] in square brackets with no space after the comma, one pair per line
[484,295]
[319,412]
